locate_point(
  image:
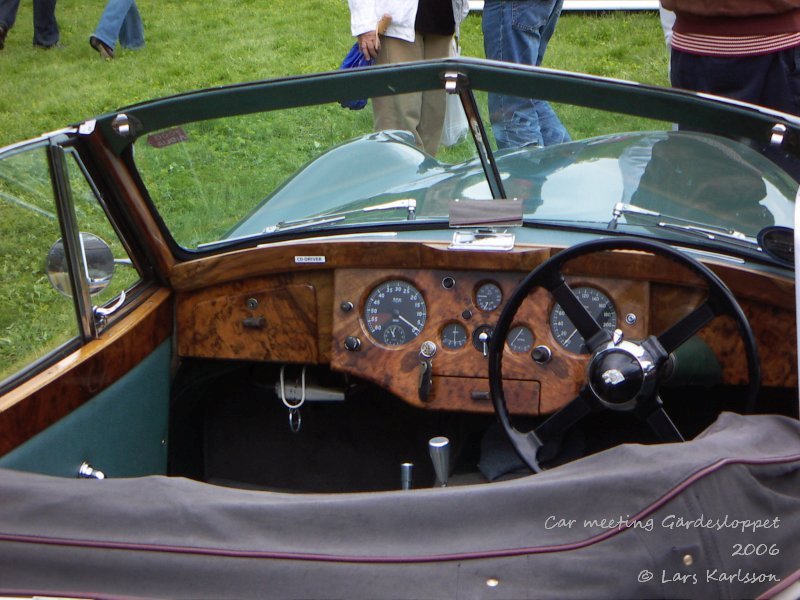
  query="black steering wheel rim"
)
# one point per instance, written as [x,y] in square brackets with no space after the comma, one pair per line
[720,301]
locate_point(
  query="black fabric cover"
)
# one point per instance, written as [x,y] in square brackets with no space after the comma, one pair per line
[176,538]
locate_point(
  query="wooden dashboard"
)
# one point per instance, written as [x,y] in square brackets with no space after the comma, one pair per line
[320,313]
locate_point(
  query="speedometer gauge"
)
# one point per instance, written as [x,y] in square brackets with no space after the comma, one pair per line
[395,313]
[599,306]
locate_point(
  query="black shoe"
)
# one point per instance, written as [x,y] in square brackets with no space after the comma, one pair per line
[3,34]
[48,46]
[104,50]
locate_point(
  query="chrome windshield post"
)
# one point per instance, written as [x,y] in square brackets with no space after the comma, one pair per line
[458,83]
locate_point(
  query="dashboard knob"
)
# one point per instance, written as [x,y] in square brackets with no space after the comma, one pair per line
[541,354]
[352,343]
[427,350]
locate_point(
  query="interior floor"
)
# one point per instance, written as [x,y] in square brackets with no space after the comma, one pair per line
[229,426]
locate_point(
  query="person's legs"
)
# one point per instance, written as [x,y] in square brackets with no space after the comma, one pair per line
[782,82]
[553,131]
[769,80]
[399,111]
[45,26]
[741,78]
[110,24]
[518,32]
[549,27]
[433,101]
[131,34]
[8,13]
[510,115]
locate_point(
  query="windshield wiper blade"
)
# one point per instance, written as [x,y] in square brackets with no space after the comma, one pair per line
[409,204]
[687,226]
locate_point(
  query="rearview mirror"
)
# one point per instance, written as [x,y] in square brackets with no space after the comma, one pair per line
[778,242]
[97,258]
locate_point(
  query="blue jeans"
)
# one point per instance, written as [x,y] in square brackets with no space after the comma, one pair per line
[45,27]
[518,31]
[121,20]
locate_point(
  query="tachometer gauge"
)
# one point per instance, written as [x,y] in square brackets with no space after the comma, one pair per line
[599,306]
[488,296]
[395,313]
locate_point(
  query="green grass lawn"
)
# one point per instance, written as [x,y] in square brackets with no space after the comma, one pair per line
[192,45]
[199,44]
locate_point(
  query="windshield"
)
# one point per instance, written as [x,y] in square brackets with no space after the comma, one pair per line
[323,167]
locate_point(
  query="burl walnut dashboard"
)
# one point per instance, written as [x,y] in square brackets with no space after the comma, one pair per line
[388,316]
[396,326]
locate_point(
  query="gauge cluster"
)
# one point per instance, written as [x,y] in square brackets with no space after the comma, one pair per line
[395,314]
[413,330]
[397,310]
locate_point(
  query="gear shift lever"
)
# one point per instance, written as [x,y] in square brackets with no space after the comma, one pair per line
[406,476]
[439,448]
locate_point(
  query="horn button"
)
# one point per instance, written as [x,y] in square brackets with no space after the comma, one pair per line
[621,373]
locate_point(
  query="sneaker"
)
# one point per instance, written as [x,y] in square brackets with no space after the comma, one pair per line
[3,34]
[105,51]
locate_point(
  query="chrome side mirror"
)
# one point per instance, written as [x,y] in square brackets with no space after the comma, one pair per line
[97,258]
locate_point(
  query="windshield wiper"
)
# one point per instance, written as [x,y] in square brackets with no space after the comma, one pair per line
[687,226]
[409,204]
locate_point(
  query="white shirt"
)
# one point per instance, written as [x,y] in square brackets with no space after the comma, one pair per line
[365,14]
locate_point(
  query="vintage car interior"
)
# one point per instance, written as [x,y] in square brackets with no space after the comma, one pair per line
[348,343]
[349,314]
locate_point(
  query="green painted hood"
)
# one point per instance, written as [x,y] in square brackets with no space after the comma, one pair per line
[690,176]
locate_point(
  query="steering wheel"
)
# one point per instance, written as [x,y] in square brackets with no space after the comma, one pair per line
[622,375]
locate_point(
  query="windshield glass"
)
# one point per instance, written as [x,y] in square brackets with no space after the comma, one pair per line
[324,167]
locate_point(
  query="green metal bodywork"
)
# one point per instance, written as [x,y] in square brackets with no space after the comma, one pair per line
[688,176]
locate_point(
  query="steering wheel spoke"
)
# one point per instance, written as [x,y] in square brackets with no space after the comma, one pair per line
[538,446]
[581,318]
[566,417]
[680,332]
[662,425]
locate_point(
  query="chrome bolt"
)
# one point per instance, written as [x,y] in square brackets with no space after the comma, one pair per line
[87,471]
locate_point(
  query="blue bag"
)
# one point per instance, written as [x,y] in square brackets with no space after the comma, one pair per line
[355,59]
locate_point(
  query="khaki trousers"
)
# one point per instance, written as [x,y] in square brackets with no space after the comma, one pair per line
[421,113]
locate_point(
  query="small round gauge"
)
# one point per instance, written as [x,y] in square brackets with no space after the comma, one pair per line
[394,335]
[488,296]
[454,336]
[520,339]
[599,306]
[395,313]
